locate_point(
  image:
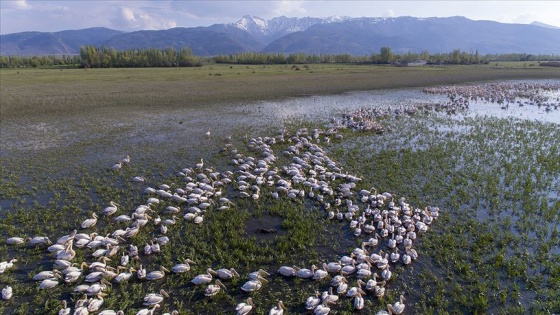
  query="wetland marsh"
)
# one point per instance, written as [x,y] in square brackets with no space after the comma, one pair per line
[493,173]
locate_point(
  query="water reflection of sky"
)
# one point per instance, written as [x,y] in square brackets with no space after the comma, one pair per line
[325,107]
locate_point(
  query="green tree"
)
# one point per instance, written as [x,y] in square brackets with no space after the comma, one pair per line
[386,55]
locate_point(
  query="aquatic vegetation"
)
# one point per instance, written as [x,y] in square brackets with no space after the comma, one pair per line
[494,247]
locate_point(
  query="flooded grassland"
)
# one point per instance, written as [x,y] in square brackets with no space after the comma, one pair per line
[475,187]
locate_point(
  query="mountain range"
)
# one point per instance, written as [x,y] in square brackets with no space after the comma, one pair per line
[332,35]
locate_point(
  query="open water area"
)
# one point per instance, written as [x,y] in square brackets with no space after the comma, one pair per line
[491,168]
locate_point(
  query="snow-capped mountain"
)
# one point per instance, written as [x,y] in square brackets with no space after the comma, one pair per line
[270,30]
[333,35]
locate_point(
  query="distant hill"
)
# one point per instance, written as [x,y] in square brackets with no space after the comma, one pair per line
[57,43]
[406,34]
[543,25]
[204,41]
[333,35]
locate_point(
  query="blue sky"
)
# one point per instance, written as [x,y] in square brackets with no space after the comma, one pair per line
[51,16]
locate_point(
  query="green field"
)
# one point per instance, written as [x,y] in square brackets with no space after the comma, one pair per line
[495,247]
[30,92]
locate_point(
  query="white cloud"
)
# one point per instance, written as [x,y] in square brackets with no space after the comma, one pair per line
[389,13]
[15,5]
[135,18]
[127,14]
[170,24]
[289,8]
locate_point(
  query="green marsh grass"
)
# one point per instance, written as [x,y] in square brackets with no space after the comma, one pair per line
[494,249]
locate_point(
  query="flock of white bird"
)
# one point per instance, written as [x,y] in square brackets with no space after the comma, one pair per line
[388,225]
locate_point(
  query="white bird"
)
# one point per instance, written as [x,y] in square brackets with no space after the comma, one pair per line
[287,271]
[153,200]
[332,266]
[320,274]
[141,273]
[123,218]
[386,273]
[125,160]
[125,259]
[395,255]
[244,308]
[64,239]
[156,275]
[146,311]
[342,286]
[65,310]
[353,291]
[278,309]
[44,275]
[162,240]
[200,165]
[123,276]
[171,221]
[147,249]
[95,304]
[253,284]
[155,298]
[258,274]
[336,280]
[62,264]
[117,166]
[412,253]
[406,259]
[312,301]
[379,289]
[72,276]
[359,302]
[321,309]
[184,267]
[110,210]
[139,179]
[82,310]
[213,289]
[89,222]
[40,240]
[204,278]
[328,297]
[7,293]
[56,248]
[397,307]
[98,287]
[348,269]
[226,274]
[305,273]
[81,302]
[198,219]
[68,253]
[15,240]
[48,283]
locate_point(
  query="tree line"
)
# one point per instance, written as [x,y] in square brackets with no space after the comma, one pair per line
[102,57]
[93,57]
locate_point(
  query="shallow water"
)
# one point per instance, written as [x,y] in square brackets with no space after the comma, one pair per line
[326,107]
[188,127]
[164,133]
